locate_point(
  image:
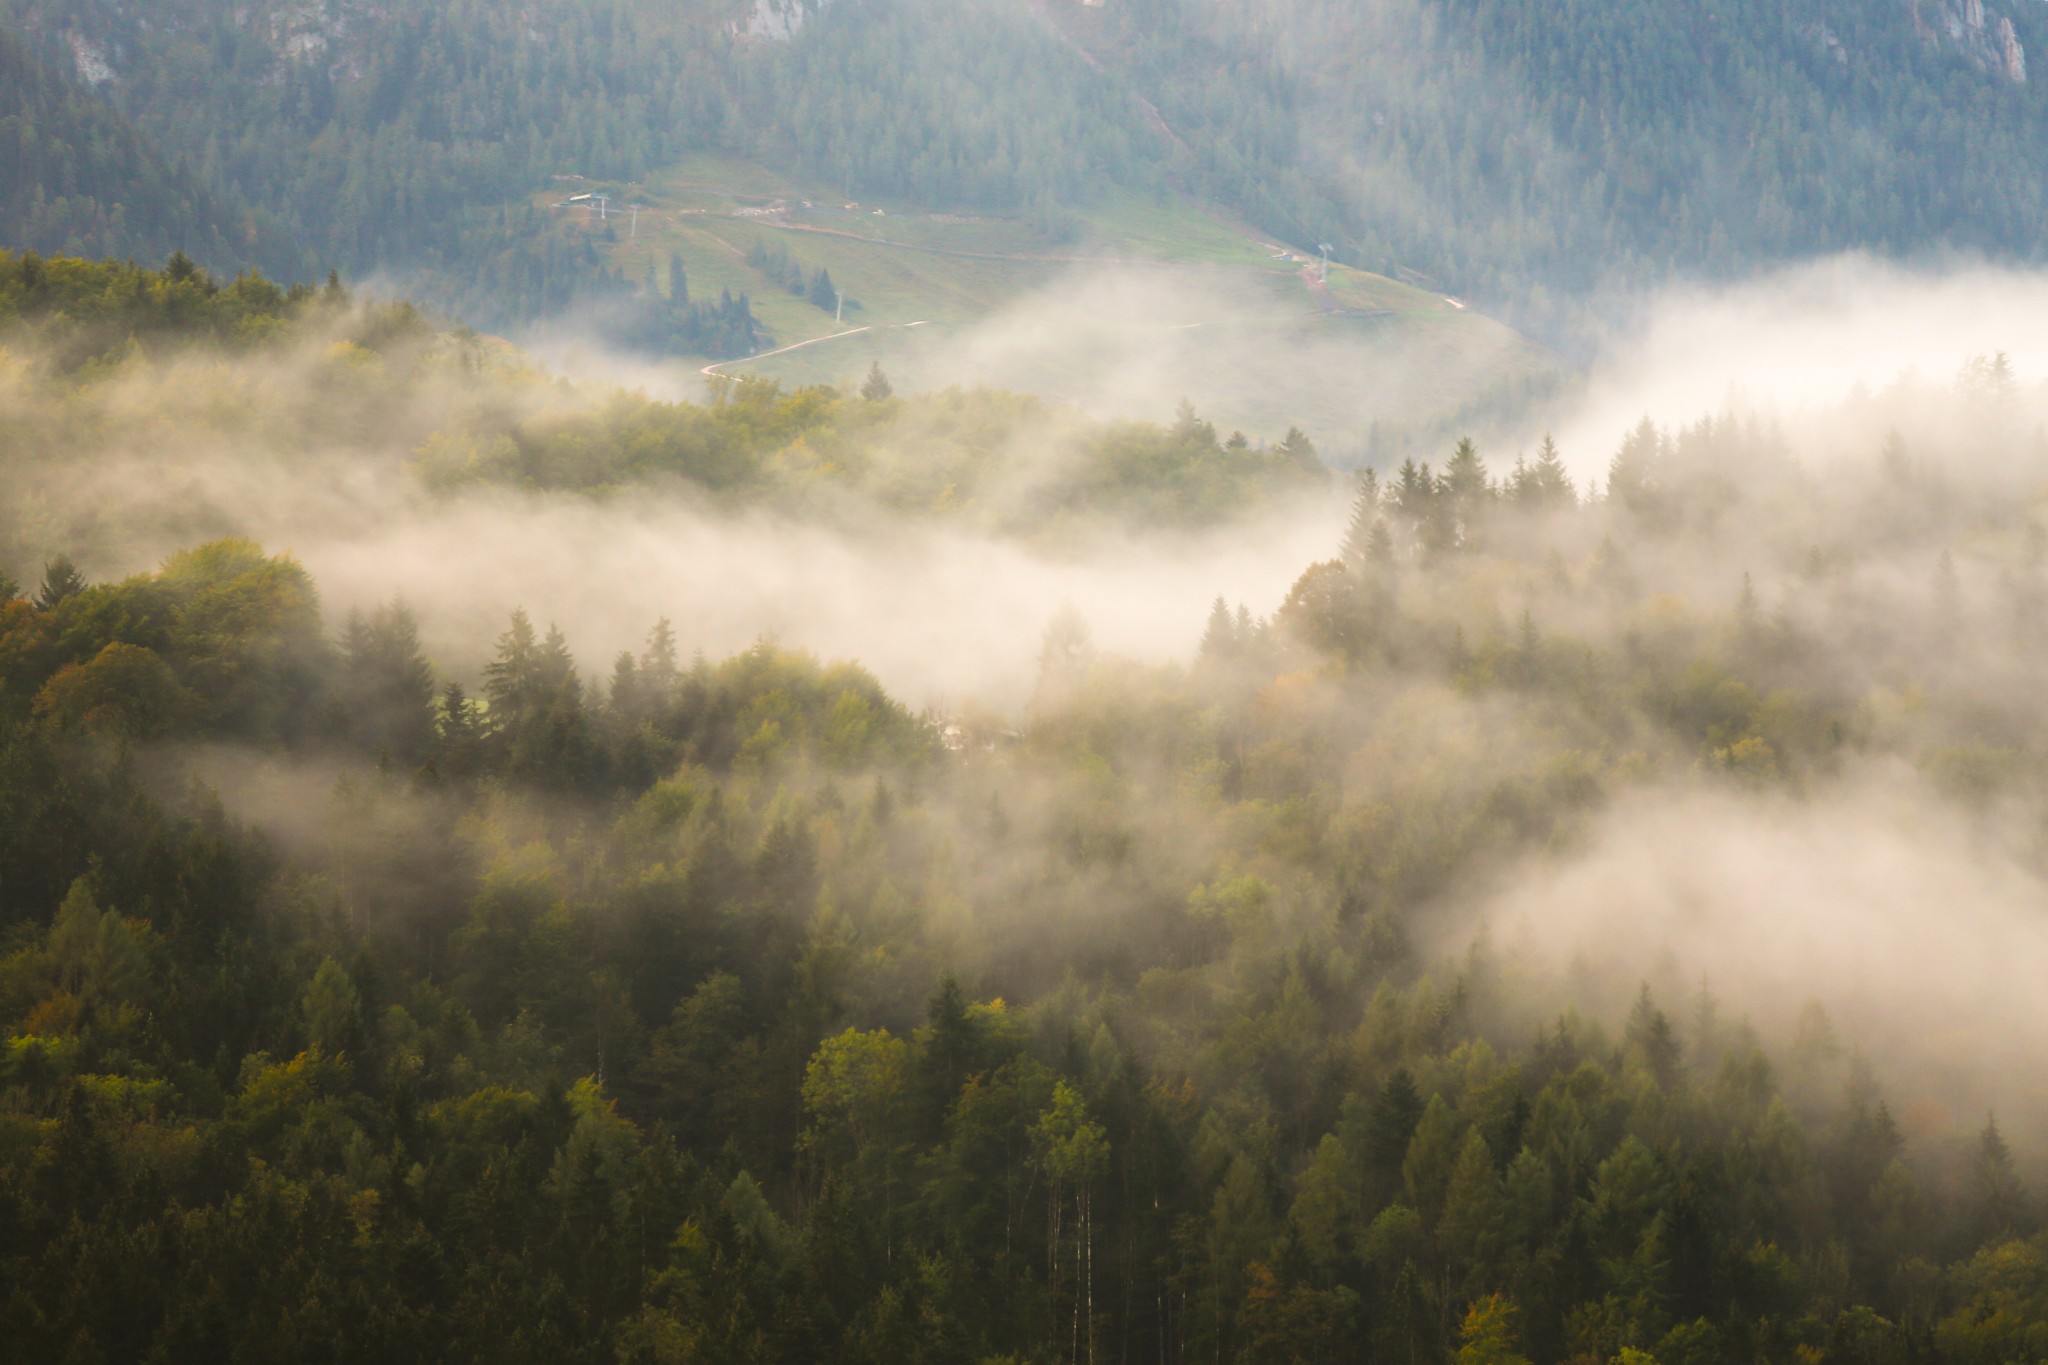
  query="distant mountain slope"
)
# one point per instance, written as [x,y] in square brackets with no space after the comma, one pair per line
[76,177]
[1138,302]
[1533,155]
[1538,152]
[388,136]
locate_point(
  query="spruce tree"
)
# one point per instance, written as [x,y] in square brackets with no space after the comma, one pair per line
[1380,548]
[385,683]
[1997,1199]
[1748,614]
[511,679]
[1219,639]
[61,579]
[1517,487]
[1365,514]
[822,293]
[1296,448]
[877,388]
[1414,492]
[1465,480]
[658,671]
[1549,484]
[459,751]
[1632,476]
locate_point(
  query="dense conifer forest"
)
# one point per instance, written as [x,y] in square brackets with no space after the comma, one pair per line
[1543,159]
[361,1000]
[77,178]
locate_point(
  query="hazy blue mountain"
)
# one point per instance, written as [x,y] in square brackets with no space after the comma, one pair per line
[77,177]
[1533,156]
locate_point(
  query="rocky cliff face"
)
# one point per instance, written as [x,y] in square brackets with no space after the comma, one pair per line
[1963,27]
[776,20]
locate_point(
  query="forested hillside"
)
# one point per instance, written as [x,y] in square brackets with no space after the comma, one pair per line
[1541,155]
[76,177]
[1301,999]
[1543,159]
[142,400]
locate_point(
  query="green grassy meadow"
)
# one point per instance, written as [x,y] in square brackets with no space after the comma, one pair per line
[1124,308]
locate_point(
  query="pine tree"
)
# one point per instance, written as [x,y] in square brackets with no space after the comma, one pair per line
[1470,1230]
[1380,548]
[1389,1126]
[385,684]
[61,580]
[1464,492]
[1547,483]
[1517,486]
[1365,515]
[1415,492]
[511,680]
[678,281]
[1632,476]
[459,750]
[822,293]
[1464,479]
[877,389]
[658,671]
[1219,639]
[1997,1199]
[1652,1038]
[625,700]
[1296,448]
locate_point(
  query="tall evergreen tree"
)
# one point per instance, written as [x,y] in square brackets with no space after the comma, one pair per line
[61,580]
[1997,1200]
[1634,476]
[1296,448]
[1219,637]
[1365,514]
[385,684]
[1544,484]
[877,388]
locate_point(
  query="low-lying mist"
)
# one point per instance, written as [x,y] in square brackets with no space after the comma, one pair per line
[378,473]
[1919,926]
[1842,502]
[1357,361]
[1835,353]
[942,616]
[1601,884]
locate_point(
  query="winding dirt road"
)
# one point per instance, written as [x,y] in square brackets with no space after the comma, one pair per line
[711,371]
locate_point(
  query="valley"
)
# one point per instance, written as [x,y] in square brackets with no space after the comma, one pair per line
[1123,308]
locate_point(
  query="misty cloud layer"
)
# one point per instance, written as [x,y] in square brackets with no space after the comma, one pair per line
[1921,929]
[1805,347]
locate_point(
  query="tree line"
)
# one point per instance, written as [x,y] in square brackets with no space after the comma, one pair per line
[730,1010]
